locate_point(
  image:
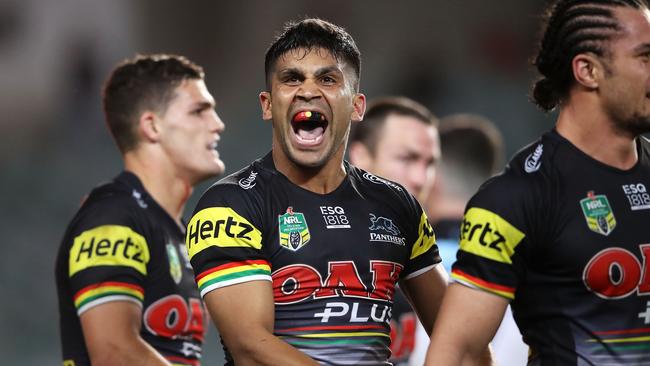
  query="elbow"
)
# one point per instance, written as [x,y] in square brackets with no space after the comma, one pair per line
[111,354]
[106,357]
[249,348]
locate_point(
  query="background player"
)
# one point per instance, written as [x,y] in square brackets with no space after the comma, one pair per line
[561,232]
[337,239]
[472,151]
[398,140]
[122,272]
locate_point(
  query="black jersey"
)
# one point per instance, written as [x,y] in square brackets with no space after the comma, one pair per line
[333,259]
[563,236]
[122,246]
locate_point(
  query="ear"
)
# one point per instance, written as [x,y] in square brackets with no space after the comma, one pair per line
[359,105]
[360,156]
[587,70]
[148,127]
[265,102]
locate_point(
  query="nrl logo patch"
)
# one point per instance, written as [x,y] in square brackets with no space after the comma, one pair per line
[598,213]
[174,263]
[294,232]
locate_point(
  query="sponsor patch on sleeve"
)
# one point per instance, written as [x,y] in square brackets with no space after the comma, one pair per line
[109,245]
[426,237]
[221,227]
[488,235]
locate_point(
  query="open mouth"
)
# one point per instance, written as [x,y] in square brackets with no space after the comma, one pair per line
[309,126]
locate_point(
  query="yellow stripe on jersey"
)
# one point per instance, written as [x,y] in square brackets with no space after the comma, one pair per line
[221,227]
[488,235]
[426,237]
[109,245]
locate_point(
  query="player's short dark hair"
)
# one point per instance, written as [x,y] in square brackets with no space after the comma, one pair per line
[471,143]
[369,130]
[145,82]
[310,34]
[572,27]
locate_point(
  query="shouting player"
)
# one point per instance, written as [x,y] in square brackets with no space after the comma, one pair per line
[298,254]
[126,288]
[561,233]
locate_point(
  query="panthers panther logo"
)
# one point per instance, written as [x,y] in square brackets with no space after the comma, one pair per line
[382,223]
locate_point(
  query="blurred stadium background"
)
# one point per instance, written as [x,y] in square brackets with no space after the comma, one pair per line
[453,56]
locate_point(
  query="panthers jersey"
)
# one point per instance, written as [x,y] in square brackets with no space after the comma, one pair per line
[122,246]
[562,236]
[333,259]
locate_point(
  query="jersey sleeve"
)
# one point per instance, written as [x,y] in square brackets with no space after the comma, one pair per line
[424,251]
[495,236]
[224,240]
[108,255]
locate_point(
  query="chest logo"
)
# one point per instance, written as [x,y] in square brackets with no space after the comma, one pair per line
[335,217]
[383,229]
[174,263]
[598,213]
[637,195]
[294,232]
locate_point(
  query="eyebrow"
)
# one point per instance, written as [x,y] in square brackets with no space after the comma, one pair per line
[320,72]
[204,105]
[290,71]
[642,48]
[328,70]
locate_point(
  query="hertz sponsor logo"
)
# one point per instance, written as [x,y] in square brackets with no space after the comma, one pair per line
[426,237]
[488,235]
[221,227]
[109,245]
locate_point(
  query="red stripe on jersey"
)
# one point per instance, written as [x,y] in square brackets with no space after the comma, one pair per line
[109,283]
[332,327]
[624,331]
[231,265]
[484,283]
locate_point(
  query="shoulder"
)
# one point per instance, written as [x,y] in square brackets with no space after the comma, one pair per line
[530,175]
[111,204]
[380,189]
[111,229]
[243,188]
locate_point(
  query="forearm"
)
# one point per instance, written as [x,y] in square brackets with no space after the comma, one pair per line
[448,355]
[135,352]
[425,293]
[112,336]
[267,349]
[244,315]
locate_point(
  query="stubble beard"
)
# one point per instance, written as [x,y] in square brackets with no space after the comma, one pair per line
[628,119]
